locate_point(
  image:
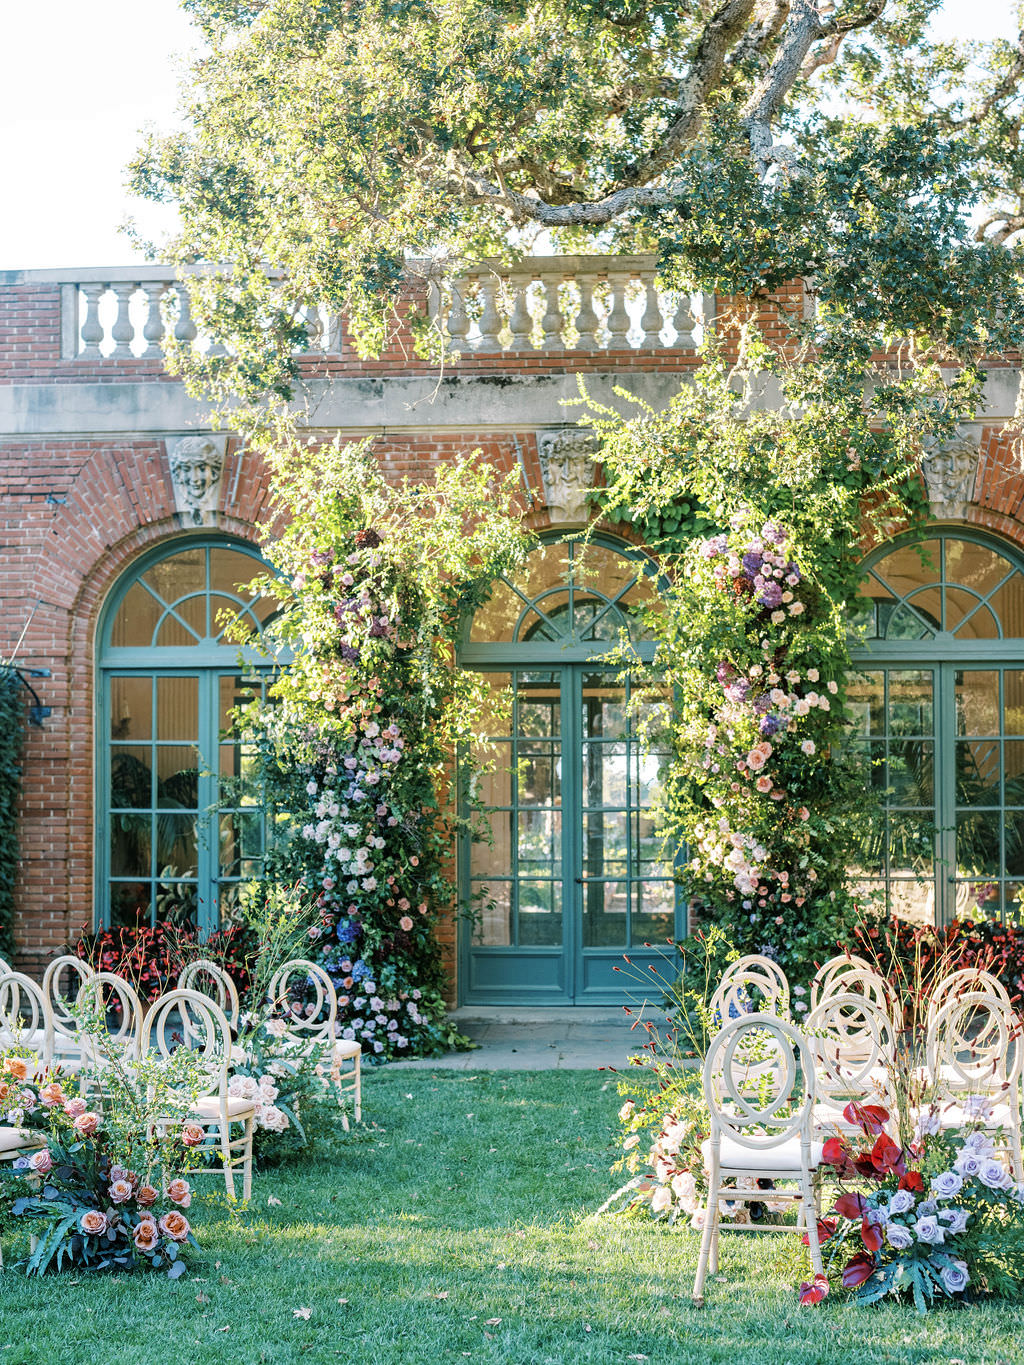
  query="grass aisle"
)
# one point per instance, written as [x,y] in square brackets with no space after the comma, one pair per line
[456,1227]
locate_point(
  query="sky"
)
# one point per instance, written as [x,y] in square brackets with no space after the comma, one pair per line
[79,82]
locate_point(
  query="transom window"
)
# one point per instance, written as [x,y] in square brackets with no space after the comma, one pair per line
[939,709]
[179,828]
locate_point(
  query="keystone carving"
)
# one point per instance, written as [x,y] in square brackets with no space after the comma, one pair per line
[197,464]
[949,474]
[567,468]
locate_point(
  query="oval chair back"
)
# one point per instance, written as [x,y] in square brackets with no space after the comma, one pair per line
[106,993]
[63,971]
[188,1018]
[752,984]
[974,1047]
[827,980]
[310,1012]
[853,1046]
[965,980]
[24,1018]
[210,979]
[758,1075]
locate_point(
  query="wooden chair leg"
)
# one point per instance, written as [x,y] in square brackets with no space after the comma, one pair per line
[247,1159]
[811,1216]
[710,1224]
[225,1157]
[357,1108]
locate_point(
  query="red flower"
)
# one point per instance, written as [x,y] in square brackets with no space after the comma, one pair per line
[871,1117]
[814,1292]
[870,1235]
[851,1206]
[911,1180]
[826,1228]
[886,1155]
[860,1268]
[835,1152]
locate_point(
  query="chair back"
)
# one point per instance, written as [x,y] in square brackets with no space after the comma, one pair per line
[187,1018]
[63,972]
[974,1047]
[758,1082]
[24,1019]
[302,997]
[965,979]
[107,993]
[210,979]
[853,1044]
[827,980]
[750,984]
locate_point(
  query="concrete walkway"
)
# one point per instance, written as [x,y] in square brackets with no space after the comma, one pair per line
[510,1039]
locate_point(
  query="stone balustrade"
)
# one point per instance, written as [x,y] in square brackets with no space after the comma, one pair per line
[544,303]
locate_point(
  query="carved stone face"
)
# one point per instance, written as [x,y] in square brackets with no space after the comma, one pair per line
[567,465]
[196,465]
[198,476]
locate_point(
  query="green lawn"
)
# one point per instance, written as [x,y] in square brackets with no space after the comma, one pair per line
[457,1226]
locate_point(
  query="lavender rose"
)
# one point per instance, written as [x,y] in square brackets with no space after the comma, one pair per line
[902,1201]
[948,1184]
[929,1231]
[955,1277]
[955,1221]
[994,1175]
[899,1237]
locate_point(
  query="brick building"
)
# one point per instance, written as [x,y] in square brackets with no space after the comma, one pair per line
[128,526]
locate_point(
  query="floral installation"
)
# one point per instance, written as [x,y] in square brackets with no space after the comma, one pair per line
[88,1210]
[290,1085]
[940,1219]
[151,958]
[355,746]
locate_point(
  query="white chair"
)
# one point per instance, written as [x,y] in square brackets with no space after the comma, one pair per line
[853,1046]
[59,1004]
[113,1033]
[826,979]
[24,1018]
[758,1085]
[975,1052]
[852,975]
[209,978]
[302,996]
[963,981]
[181,1014]
[750,984]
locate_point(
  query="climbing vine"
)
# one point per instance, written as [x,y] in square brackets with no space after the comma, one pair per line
[12,737]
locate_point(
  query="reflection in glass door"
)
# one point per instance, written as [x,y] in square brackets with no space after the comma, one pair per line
[568,874]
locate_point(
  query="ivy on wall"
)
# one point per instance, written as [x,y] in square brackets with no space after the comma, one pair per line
[12,734]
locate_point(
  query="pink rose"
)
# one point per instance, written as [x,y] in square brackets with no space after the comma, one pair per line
[192,1134]
[73,1108]
[146,1196]
[405,923]
[52,1094]
[93,1223]
[86,1124]
[174,1225]
[41,1162]
[146,1235]
[180,1192]
[16,1067]
[119,1191]
[764,784]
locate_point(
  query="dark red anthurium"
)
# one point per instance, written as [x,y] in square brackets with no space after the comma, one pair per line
[850,1206]
[815,1291]
[871,1235]
[826,1227]
[911,1180]
[871,1117]
[864,1165]
[835,1152]
[886,1155]
[858,1269]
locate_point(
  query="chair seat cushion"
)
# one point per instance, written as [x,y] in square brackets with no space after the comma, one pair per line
[209,1107]
[15,1140]
[784,1157]
[344,1049]
[953,1116]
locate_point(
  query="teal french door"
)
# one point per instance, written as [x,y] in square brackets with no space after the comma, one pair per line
[567,875]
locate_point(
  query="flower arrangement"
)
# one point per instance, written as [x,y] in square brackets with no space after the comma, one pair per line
[355,744]
[291,1087]
[152,957]
[93,1212]
[941,1218]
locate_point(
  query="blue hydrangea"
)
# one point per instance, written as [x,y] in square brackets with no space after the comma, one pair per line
[347,931]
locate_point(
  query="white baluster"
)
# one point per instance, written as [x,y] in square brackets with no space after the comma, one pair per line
[333,334]
[520,322]
[153,329]
[92,328]
[123,329]
[490,318]
[685,323]
[618,321]
[184,328]
[458,322]
[586,318]
[652,322]
[552,321]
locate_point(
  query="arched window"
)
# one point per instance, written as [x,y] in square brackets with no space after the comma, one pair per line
[572,875]
[176,829]
[940,725]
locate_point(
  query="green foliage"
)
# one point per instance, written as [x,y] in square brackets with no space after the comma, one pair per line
[355,748]
[12,737]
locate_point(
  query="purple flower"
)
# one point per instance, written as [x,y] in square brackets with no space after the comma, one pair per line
[954,1277]
[725,671]
[770,595]
[773,533]
[737,691]
[713,547]
[751,562]
[771,725]
[899,1237]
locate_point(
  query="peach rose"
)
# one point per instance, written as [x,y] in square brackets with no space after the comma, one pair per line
[119,1191]
[73,1108]
[180,1192]
[86,1124]
[93,1223]
[192,1134]
[16,1067]
[41,1162]
[5,1090]
[146,1196]
[405,923]
[174,1225]
[146,1235]
[52,1094]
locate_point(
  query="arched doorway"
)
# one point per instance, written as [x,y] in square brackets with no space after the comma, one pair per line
[939,714]
[176,829]
[572,877]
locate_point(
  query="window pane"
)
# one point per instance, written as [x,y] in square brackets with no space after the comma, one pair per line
[177,708]
[977,703]
[130,843]
[977,844]
[136,620]
[910,702]
[977,772]
[492,901]
[177,776]
[653,911]
[131,778]
[130,904]
[540,913]
[605,914]
[910,772]
[131,708]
